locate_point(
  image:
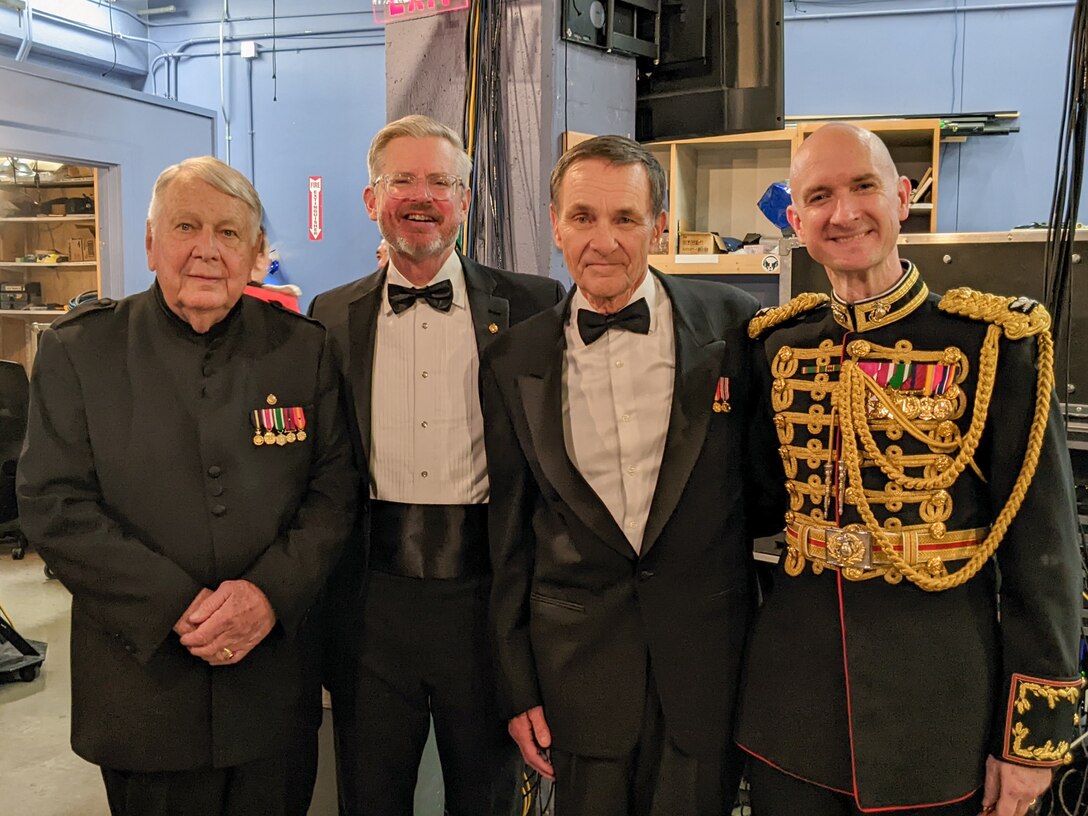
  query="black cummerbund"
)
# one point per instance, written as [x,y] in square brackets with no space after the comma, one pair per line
[429,540]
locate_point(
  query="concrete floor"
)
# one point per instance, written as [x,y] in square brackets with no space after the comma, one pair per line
[39,774]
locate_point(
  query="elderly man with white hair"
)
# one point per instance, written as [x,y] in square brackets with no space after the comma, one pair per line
[187,475]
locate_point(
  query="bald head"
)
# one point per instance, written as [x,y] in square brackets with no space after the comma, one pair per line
[848,203]
[837,138]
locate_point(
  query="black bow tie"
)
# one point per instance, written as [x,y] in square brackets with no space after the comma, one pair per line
[635,317]
[438,295]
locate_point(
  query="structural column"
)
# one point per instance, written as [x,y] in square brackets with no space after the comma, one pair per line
[549,86]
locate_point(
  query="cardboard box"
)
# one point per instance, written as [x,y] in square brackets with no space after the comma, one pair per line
[701,243]
[75,249]
[90,249]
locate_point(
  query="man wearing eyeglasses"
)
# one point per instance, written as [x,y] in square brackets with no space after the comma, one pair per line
[409,607]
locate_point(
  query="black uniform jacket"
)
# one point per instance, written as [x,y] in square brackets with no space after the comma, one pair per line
[497,300]
[140,484]
[882,690]
[578,617]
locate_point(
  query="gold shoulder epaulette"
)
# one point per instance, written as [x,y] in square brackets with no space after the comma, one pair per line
[773,315]
[1018,317]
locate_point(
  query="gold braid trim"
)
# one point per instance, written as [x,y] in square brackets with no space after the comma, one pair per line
[853,422]
[856,384]
[1017,317]
[1048,752]
[768,318]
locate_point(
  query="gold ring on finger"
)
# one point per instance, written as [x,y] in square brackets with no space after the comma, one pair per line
[227,653]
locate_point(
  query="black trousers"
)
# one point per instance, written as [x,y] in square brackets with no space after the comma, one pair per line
[774,793]
[656,779]
[253,789]
[425,653]
[301,761]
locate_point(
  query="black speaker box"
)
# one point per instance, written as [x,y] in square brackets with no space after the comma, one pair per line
[719,71]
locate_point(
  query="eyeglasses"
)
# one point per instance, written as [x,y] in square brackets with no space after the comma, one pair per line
[440,186]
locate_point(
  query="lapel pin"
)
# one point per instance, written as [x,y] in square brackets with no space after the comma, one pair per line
[270,399]
[493,328]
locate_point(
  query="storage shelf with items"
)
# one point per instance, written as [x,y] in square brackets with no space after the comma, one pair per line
[45,219]
[44,264]
[48,246]
[714,186]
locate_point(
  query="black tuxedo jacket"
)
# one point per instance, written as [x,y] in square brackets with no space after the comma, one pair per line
[579,619]
[497,300]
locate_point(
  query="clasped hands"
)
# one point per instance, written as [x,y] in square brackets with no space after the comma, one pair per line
[222,626]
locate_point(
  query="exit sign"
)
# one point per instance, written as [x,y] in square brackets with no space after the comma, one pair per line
[393,11]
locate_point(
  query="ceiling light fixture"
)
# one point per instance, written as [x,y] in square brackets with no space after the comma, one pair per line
[151,12]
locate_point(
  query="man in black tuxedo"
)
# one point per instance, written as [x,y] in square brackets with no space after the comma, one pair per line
[410,630]
[619,429]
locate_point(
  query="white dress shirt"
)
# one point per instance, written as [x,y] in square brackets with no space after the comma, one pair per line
[617,399]
[426,427]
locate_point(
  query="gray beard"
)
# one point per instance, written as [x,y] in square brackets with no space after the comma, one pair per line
[416,252]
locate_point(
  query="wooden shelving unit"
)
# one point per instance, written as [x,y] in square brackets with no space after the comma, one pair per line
[47,219]
[43,265]
[25,231]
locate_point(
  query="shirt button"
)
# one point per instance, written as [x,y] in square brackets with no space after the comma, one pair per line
[632,524]
[632,469]
[219,510]
[423,474]
[217,489]
[646,575]
[207,370]
[424,375]
[426,325]
[423,424]
[619,363]
[214,471]
[626,417]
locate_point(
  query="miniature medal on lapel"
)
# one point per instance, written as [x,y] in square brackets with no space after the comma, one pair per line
[721,397]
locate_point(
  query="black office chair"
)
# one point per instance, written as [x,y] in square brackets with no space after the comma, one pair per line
[14,400]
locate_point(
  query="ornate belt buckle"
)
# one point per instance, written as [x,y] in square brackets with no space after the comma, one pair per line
[849,547]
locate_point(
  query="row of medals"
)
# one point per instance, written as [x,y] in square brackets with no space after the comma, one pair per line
[277,437]
[282,438]
[915,407]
